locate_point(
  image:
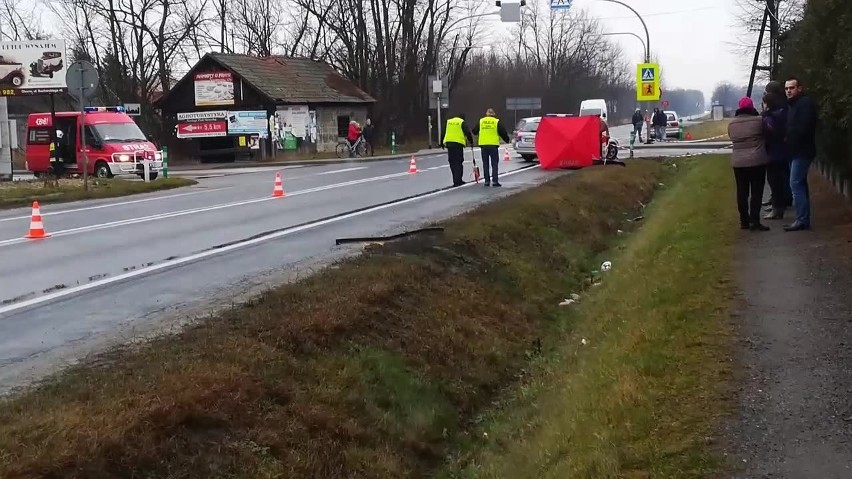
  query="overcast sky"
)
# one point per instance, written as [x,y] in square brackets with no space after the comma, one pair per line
[692,38]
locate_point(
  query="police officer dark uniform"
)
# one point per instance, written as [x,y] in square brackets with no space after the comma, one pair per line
[56,163]
[490,131]
[456,136]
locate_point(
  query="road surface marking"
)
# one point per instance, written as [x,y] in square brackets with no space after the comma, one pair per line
[355,168]
[203,209]
[110,205]
[231,247]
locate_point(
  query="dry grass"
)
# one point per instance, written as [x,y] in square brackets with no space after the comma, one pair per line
[643,397]
[23,193]
[718,130]
[374,368]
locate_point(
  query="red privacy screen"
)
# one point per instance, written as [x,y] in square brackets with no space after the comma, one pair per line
[568,142]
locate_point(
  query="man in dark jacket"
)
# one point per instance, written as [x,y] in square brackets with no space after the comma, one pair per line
[638,121]
[660,121]
[369,135]
[778,170]
[800,140]
[456,136]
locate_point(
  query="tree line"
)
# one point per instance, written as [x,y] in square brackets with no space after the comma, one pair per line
[388,47]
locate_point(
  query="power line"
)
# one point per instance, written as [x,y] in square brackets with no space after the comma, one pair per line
[659,14]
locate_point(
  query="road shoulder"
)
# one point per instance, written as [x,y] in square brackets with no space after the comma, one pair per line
[794,417]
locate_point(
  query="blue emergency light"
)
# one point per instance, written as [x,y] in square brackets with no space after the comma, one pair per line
[92,109]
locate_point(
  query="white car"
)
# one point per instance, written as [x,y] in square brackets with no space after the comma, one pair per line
[525,137]
[672,125]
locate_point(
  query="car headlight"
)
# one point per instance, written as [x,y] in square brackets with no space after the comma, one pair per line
[158,156]
[123,157]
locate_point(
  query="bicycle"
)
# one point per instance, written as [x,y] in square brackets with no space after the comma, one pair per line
[357,150]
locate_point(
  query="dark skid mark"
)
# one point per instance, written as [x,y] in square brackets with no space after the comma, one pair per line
[54,288]
[18,298]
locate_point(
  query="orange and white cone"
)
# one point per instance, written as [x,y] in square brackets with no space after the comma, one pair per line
[36,225]
[412,166]
[278,190]
[506,155]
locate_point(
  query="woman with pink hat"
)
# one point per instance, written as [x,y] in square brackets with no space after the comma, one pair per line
[749,159]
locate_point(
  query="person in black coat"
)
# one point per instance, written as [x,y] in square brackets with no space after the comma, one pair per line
[778,171]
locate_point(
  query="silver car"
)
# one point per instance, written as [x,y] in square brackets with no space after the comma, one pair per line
[525,137]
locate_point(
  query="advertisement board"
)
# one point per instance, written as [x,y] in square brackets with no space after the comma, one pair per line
[248,123]
[214,88]
[295,120]
[202,115]
[202,129]
[35,67]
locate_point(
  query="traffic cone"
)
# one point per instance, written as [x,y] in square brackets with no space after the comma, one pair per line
[412,166]
[278,190]
[36,226]
[688,136]
[506,158]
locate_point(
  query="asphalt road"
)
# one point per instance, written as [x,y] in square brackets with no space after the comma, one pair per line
[119,269]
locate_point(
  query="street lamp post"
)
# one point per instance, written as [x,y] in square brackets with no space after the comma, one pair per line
[644,48]
[647,34]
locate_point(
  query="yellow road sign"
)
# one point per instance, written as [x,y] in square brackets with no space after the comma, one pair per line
[648,82]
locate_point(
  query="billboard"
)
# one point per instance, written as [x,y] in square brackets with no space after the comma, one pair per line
[214,88]
[34,67]
[248,122]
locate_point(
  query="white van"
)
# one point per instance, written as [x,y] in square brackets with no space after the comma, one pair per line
[594,107]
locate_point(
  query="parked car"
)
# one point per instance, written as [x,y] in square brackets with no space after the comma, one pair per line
[525,137]
[672,125]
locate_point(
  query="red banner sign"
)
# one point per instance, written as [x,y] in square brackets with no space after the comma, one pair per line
[202,129]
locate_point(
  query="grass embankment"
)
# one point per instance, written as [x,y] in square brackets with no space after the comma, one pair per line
[387,364]
[641,399]
[23,193]
[373,368]
[717,130]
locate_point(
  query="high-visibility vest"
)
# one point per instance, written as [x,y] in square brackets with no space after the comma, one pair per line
[488,135]
[53,152]
[454,132]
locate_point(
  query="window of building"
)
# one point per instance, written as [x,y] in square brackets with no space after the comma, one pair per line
[342,126]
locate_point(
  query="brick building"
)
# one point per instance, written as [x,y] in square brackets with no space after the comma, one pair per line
[232,107]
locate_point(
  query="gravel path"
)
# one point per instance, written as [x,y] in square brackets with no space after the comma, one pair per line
[794,405]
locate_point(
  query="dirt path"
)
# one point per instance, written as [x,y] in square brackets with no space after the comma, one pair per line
[794,414]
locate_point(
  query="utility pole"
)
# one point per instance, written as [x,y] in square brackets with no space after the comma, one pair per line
[5,134]
[772,9]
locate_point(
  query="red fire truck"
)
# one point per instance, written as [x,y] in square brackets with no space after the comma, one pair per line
[114,143]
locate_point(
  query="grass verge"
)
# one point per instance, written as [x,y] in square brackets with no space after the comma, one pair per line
[372,368]
[23,193]
[641,398]
[718,130]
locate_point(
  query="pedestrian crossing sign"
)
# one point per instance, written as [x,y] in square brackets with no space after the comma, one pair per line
[648,82]
[560,4]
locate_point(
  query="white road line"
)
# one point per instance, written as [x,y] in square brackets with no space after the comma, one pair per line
[356,168]
[203,209]
[110,205]
[205,254]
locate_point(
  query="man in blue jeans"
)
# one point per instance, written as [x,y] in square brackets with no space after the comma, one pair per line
[800,140]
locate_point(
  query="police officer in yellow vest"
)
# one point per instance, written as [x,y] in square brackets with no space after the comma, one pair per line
[456,136]
[490,131]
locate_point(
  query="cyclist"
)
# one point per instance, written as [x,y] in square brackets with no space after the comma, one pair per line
[352,136]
